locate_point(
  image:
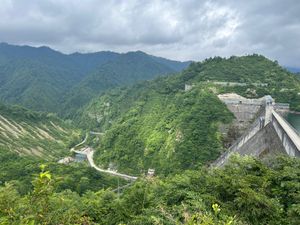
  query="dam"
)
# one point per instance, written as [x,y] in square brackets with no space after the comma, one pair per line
[266,132]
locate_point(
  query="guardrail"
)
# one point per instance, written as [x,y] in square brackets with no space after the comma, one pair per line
[248,134]
[282,105]
[287,134]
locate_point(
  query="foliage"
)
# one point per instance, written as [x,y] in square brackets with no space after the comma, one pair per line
[156,124]
[46,80]
[254,72]
[166,131]
[246,191]
[125,70]
[76,177]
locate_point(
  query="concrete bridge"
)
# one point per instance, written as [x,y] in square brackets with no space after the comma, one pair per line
[268,134]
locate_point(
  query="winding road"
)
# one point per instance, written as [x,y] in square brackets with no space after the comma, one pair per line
[89,152]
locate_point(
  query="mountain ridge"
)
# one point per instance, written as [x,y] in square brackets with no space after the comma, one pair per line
[41,78]
[160,124]
[293,69]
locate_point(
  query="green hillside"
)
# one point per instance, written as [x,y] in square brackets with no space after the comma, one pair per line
[37,134]
[77,177]
[258,75]
[161,124]
[127,69]
[42,79]
[246,191]
[157,124]
[33,84]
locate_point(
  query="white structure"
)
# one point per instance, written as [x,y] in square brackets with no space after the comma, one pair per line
[188,87]
[151,172]
[66,160]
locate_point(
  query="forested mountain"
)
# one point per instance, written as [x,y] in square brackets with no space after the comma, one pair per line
[158,124]
[170,124]
[171,63]
[127,69]
[293,69]
[44,80]
[255,76]
[39,135]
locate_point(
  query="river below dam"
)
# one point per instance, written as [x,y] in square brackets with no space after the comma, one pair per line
[294,120]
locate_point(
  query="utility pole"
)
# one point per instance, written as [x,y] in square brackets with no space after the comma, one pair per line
[118,188]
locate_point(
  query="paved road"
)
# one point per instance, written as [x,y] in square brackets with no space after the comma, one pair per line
[84,140]
[96,133]
[89,152]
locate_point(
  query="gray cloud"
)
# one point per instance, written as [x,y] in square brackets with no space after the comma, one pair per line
[190,29]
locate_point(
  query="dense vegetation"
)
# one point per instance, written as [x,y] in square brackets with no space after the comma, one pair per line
[76,177]
[150,126]
[153,124]
[157,124]
[126,69]
[45,80]
[246,191]
[254,71]
[38,134]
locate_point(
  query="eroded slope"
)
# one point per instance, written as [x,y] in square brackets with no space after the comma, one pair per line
[31,133]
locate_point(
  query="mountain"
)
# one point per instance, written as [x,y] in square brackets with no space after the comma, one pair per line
[36,134]
[37,77]
[171,124]
[293,69]
[44,80]
[159,124]
[127,69]
[172,64]
[258,75]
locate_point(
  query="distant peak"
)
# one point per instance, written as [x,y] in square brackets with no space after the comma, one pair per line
[44,47]
[140,52]
[136,53]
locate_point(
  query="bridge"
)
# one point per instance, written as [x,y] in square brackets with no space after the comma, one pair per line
[268,134]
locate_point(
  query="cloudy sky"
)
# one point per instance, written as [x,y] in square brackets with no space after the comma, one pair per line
[176,29]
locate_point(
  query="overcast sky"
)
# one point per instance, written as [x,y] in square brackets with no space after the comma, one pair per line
[182,29]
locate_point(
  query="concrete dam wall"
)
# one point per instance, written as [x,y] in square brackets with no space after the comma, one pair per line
[269,134]
[245,110]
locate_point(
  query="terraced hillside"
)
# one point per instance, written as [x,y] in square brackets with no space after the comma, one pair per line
[37,134]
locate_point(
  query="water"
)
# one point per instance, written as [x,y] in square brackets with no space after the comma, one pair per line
[294,120]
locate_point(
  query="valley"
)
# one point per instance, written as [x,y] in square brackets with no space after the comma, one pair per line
[131,138]
[149,112]
[87,153]
[160,124]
